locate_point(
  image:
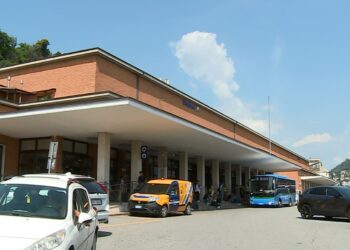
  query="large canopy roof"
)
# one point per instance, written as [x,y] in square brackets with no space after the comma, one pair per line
[128,120]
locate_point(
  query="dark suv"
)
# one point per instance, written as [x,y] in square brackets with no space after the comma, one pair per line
[329,201]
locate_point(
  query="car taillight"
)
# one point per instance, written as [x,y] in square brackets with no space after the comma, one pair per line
[103,187]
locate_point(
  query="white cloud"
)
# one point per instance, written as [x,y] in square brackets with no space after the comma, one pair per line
[313,138]
[201,57]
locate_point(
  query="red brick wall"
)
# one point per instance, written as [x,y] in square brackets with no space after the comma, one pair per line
[68,77]
[11,155]
[109,77]
[4,108]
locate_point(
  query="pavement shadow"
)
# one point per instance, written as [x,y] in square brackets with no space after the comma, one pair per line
[321,218]
[102,234]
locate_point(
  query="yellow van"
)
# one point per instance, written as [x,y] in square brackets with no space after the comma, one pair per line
[162,196]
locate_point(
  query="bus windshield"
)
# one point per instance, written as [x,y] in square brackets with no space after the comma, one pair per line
[262,185]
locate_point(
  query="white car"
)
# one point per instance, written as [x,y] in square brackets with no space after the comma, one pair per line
[46,212]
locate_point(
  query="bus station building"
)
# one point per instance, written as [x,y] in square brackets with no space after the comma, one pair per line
[113,120]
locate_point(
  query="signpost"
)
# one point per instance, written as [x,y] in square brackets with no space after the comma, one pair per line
[144,152]
[52,156]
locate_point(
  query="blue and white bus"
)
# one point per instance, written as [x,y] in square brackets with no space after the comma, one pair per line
[272,190]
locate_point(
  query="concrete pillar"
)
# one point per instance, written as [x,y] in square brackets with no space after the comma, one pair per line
[162,162]
[201,173]
[103,157]
[239,175]
[228,171]
[183,165]
[215,173]
[247,178]
[136,161]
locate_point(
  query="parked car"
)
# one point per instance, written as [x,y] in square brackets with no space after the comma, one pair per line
[98,194]
[328,201]
[46,212]
[162,196]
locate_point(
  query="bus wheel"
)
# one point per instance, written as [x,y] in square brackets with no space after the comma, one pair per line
[306,212]
[163,212]
[188,209]
[279,203]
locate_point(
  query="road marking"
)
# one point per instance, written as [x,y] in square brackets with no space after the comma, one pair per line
[129,223]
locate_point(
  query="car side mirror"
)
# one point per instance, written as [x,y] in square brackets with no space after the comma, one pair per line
[84,218]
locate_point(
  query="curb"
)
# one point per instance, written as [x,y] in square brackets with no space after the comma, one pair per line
[193,210]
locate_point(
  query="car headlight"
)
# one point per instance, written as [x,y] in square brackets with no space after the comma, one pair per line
[49,242]
[153,199]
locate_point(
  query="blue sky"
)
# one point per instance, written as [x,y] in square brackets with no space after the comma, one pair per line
[230,55]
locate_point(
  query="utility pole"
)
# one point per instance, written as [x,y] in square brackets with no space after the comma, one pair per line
[268,105]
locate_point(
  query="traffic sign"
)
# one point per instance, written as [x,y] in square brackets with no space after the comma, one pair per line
[144,152]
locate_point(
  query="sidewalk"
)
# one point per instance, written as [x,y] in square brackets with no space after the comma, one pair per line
[122,208]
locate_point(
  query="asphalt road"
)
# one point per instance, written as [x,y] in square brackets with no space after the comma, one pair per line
[244,228]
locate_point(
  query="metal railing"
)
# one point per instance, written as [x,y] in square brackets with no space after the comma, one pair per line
[121,192]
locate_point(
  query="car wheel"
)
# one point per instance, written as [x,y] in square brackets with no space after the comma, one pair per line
[348,213]
[163,212]
[188,210]
[329,217]
[306,212]
[94,243]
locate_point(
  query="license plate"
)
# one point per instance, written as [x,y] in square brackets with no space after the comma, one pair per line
[138,206]
[96,202]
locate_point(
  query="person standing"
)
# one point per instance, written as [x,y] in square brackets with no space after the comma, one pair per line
[121,188]
[197,194]
[221,193]
[140,181]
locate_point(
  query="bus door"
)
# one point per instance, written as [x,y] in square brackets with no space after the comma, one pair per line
[174,196]
[284,195]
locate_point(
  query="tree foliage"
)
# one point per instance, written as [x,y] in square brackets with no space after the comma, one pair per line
[345,165]
[12,53]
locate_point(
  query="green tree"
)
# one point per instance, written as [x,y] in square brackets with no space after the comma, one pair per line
[11,53]
[7,49]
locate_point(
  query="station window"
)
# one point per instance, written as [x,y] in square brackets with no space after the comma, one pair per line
[43,144]
[27,145]
[33,155]
[75,158]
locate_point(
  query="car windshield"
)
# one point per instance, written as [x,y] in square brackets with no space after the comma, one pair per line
[33,201]
[345,191]
[154,188]
[92,186]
